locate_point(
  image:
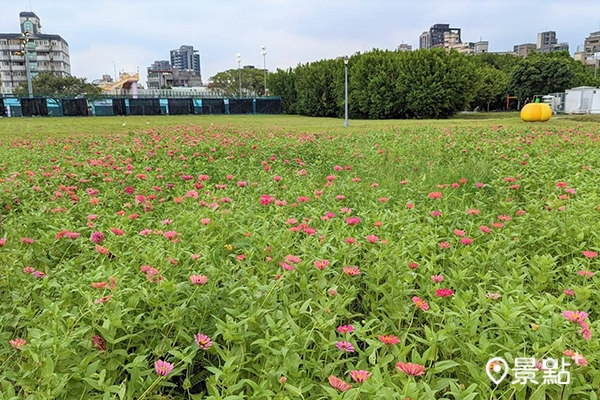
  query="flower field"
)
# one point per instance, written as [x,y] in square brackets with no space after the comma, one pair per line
[230,262]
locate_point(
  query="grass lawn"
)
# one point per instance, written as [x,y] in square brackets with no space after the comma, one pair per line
[36,127]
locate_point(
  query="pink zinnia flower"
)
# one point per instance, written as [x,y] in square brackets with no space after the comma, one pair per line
[589,274]
[352,271]
[444,245]
[458,232]
[145,232]
[345,346]
[28,270]
[420,303]
[17,343]
[352,220]
[479,185]
[589,254]
[585,330]
[286,266]
[360,375]
[436,213]
[265,199]
[117,231]
[389,339]
[203,341]
[2,241]
[466,241]
[99,285]
[321,264]
[437,278]
[569,292]
[485,229]
[345,329]
[444,292]
[170,235]
[98,237]
[163,368]
[198,279]
[293,259]
[413,265]
[339,384]
[575,316]
[411,369]
[435,195]
[372,239]
[27,240]
[205,221]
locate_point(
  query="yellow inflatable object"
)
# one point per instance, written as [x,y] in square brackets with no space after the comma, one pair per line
[534,112]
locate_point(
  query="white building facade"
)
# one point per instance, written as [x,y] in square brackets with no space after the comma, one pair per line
[47,54]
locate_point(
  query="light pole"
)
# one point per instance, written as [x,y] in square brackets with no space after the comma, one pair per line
[115,65]
[26,38]
[346,123]
[239,61]
[264,54]
[595,65]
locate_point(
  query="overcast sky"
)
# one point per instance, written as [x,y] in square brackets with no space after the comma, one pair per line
[134,33]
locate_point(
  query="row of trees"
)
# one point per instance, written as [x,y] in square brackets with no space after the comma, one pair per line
[424,83]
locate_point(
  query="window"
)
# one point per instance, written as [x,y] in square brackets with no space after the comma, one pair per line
[28,26]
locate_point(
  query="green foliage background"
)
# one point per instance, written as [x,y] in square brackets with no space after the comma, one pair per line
[422,84]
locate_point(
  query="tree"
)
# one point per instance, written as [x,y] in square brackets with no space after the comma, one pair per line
[227,83]
[51,85]
[491,88]
[283,84]
[542,73]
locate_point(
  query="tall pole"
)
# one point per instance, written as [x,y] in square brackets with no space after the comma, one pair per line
[239,61]
[26,39]
[595,65]
[346,123]
[29,83]
[264,53]
[115,65]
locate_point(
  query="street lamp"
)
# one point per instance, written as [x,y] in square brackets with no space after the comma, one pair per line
[239,61]
[264,54]
[26,39]
[346,123]
[115,65]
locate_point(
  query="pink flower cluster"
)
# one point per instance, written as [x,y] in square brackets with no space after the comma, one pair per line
[579,317]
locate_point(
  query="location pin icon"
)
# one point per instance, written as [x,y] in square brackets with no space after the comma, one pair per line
[495,366]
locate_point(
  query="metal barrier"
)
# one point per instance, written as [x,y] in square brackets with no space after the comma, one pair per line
[69,107]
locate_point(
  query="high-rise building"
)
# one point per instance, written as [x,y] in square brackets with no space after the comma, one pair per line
[523,50]
[435,36]
[163,65]
[186,58]
[547,42]
[405,47]
[592,43]
[47,53]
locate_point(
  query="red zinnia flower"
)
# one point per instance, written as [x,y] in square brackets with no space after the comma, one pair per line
[435,195]
[444,292]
